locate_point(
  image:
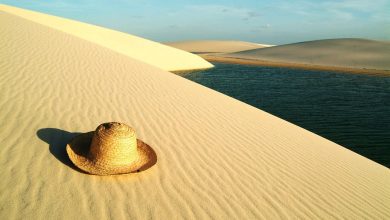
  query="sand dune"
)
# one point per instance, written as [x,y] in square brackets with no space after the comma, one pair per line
[218,158]
[215,46]
[350,53]
[156,54]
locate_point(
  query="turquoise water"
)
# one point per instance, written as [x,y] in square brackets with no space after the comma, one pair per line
[352,110]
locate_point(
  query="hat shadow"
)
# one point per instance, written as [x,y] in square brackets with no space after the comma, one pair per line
[57,140]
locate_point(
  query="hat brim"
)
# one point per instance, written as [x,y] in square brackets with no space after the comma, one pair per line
[78,149]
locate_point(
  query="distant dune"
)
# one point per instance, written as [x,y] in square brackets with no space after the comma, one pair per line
[156,54]
[215,46]
[218,158]
[350,53]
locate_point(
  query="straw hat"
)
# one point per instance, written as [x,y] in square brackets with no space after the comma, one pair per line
[112,148]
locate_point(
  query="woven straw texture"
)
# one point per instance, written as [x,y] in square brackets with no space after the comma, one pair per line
[112,148]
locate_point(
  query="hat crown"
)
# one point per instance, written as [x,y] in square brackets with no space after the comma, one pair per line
[115,129]
[113,144]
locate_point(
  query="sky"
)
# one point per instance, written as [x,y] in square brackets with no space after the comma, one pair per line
[261,21]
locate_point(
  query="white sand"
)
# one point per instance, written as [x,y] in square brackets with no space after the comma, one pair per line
[218,158]
[162,56]
[215,46]
[350,53]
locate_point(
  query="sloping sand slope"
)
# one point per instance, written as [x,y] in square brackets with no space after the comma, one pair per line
[218,158]
[215,46]
[351,53]
[156,54]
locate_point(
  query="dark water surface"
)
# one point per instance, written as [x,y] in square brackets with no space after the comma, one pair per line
[352,110]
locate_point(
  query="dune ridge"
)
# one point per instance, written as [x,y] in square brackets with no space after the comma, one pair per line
[218,158]
[215,46]
[348,53]
[156,54]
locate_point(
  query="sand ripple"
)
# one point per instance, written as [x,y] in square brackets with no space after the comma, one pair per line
[218,158]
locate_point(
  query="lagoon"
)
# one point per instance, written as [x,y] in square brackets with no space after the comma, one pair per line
[352,110]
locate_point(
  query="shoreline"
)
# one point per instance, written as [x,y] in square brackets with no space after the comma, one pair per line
[252,62]
[217,157]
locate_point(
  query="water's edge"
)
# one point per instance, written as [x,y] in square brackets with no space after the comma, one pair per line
[352,110]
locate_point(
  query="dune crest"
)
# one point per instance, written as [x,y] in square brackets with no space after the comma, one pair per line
[215,46]
[349,53]
[218,158]
[156,54]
